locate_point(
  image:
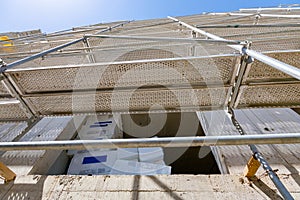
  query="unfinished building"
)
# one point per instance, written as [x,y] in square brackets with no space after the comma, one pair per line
[202,106]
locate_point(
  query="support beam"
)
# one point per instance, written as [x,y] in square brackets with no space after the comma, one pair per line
[259,157]
[259,14]
[16,94]
[287,138]
[38,55]
[209,35]
[281,66]
[3,68]
[12,86]
[166,39]
[115,26]
[79,30]
[286,68]
[245,62]
[267,9]
[89,52]
[122,62]
[248,26]
[273,176]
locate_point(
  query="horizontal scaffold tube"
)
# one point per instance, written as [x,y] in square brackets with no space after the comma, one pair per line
[287,138]
[259,14]
[43,53]
[166,39]
[248,25]
[271,8]
[38,55]
[281,66]
[286,68]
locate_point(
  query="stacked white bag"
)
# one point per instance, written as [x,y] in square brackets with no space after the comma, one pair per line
[95,161]
[140,161]
[92,162]
[123,161]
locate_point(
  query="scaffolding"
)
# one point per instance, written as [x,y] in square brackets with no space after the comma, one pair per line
[180,63]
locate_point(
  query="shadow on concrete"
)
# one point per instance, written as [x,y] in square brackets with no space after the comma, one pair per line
[265,189]
[294,173]
[20,191]
[165,188]
[135,188]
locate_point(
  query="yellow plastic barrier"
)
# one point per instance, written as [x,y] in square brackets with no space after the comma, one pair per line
[6,41]
[6,45]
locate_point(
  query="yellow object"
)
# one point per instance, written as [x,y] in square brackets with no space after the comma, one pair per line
[6,173]
[251,167]
[6,41]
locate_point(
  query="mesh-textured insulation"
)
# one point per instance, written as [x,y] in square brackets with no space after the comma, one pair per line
[166,73]
[263,72]
[281,95]
[3,90]
[11,111]
[135,100]
[103,71]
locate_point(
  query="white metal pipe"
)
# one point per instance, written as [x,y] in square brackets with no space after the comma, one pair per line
[281,66]
[209,35]
[112,27]
[260,14]
[257,155]
[10,101]
[43,53]
[248,25]
[118,63]
[164,39]
[267,9]
[286,68]
[286,138]
[38,55]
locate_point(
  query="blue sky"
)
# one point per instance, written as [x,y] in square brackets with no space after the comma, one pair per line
[54,15]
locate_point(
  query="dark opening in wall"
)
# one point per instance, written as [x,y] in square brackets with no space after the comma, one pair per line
[190,160]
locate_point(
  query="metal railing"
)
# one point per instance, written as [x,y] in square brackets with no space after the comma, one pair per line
[222,140]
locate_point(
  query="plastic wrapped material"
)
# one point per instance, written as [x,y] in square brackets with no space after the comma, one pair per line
[139,168]
[92,162]
[100,127]
[128,154]
[151,155]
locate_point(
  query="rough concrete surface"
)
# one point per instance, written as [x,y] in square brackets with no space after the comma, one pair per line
[146,187]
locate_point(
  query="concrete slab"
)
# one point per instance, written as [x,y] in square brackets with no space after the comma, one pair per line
[144,187]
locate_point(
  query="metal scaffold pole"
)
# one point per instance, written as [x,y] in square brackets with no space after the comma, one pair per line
[259,14]
[11,84]
[38,55]
[286,138]
[258,156]
[168,39]
[286,68]
[3,68]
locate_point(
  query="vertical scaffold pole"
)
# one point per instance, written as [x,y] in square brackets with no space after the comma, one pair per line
[258,156]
